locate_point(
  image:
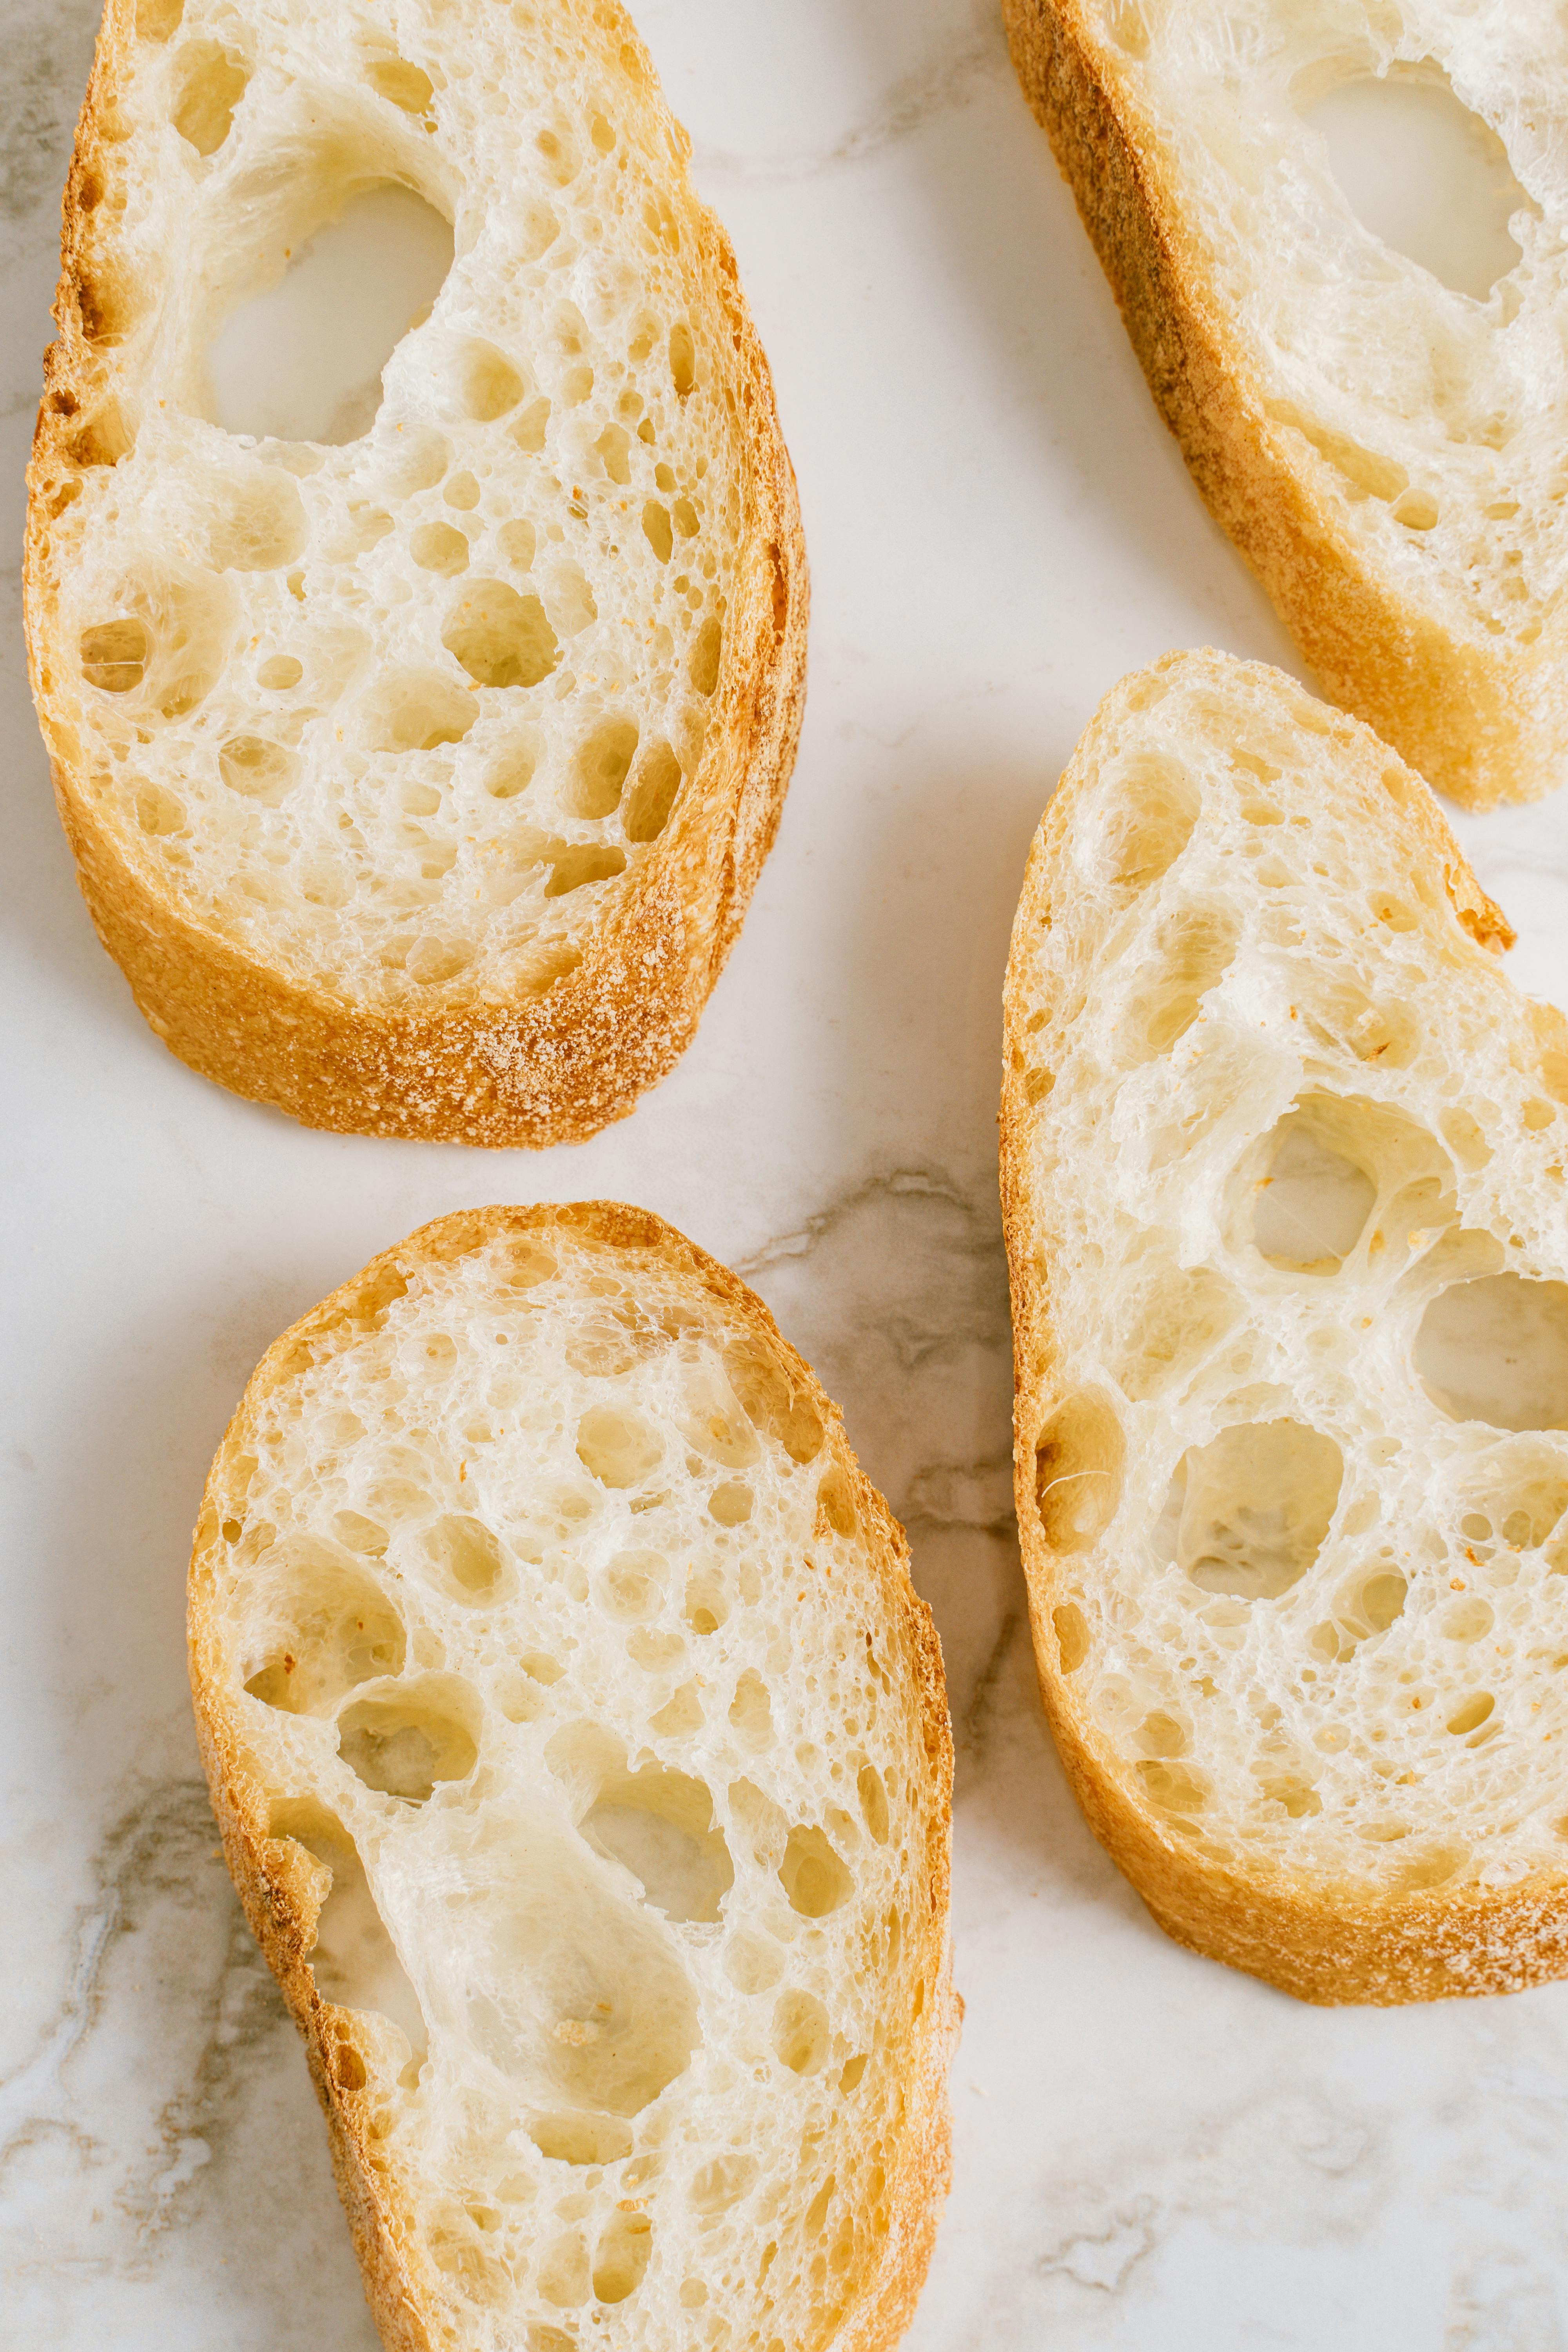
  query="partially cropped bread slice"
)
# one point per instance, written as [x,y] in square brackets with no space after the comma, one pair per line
[1283,1173]
[1389,454]
[418,781]
[582,1758]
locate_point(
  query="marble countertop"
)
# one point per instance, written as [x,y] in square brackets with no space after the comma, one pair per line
[1151,2151]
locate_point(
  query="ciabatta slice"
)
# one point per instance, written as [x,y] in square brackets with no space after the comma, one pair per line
[582,1758]
[418,779]
[1283,1170]
[1387,451]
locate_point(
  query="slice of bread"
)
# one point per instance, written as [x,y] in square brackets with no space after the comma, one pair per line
[417,781]
[1283,1157]
[1386,452]
[581,1758]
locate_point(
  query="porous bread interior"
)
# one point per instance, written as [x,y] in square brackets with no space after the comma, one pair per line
[550,1614]
[1432,419]
[1290,1249]
[403,718]
[1435,424]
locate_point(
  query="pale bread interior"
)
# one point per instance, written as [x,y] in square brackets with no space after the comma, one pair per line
[547,1613]
[406,711]
[1431,421]
[1289,1152]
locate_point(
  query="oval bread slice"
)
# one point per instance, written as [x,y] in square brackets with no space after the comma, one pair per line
[1384,450]
[418,777]
[1283,1156]
[582,1758]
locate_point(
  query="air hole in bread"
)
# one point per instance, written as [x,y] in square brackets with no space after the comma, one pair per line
[801,2032]
[333,1630]
[345,269]
[1471,1714]
[580,2139]
[514,770]
[1313,1203]
[1173,1788]
[279,672]
[417,710]
[158,20]
[353,1959]
[407,87]
[722,2182]
[731,1503]
[659,1825]
[1423,174]
[1346,1020]
[404,1743]
[751,1710]
[1169,1321]
[159,811]
[658,530]
[613,449]
[771,1404]
[835,1503]
[682,358]
[600,769]
[1156,807]
[467,1556]
[1256,1508]
[209,82]
[704,666]
[256,768]
[1195,950]
[578,1993]
[439,547]
[1078,1459]
[617,1446]
[114,655]
[576,867]
[1467,1620]
[707,1600]
[813,1875]
[1072,1635]
[501,638]
[1497,1350]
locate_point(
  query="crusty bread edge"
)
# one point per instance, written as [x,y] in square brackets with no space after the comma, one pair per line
[1482,722]
[1324,1945]
[548,1069]
[274,1881]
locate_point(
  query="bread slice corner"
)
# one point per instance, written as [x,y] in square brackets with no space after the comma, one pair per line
[1382,448]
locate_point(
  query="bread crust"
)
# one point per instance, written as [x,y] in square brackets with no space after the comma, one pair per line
[1327,1944]
[538,1070]
[274,1880]
[1481,719]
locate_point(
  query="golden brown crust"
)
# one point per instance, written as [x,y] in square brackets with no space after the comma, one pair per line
[274,1880]
[1482,720]
[1324,1943]
[550,1068]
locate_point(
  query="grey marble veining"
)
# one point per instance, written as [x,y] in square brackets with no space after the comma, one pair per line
[1149,2150]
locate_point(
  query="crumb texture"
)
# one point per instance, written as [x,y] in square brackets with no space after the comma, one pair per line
[411,717]
[551,1649]
[1284,1155]
[1387,447]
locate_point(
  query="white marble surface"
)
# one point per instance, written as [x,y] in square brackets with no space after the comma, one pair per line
[1151,2152]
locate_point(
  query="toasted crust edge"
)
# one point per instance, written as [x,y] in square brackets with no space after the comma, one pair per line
[1324,1947]
[274,1888]
[545,1070]
[1480,722]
